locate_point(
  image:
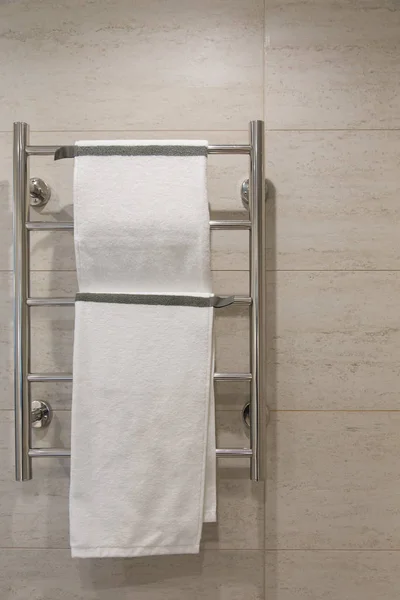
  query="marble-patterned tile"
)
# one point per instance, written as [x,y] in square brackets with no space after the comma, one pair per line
[332,65]
[240,502]
[58,284]
[153,64]
[329,575]
[51,341]
[6,341]
[229,250]
[55,251]
[287,17]
[334,200]
[35,513]
[232,339]
[333,481]
[53,329]
[333,340]
[53,575]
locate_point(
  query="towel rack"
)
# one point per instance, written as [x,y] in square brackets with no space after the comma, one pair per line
[23,378]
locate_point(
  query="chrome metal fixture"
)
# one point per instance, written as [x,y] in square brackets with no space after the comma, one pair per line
[244,192]
[256,301]
[40,414]
[39,192]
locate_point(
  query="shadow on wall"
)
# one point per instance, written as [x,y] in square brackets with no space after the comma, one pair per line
[7,338]
[271,507]
[6,223]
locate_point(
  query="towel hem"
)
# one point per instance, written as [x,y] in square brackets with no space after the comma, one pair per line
[77,552]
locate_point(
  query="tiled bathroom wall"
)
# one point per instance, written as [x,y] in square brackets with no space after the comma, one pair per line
[332,109]
[323,74]
[123,69]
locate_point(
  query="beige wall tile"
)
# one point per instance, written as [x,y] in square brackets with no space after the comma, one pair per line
[54,250]
[34,514]
[333,340]
[333,481]
[232,339]
[52,334]
[54,284]
[50,575]
[159,65]
[52,339]
[240,501]
[231,283]
[332,575]
[6,345]
[336,204]
[332,65]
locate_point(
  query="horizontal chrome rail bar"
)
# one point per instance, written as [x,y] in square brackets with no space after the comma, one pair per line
[69,226]
[36,377]
[232,376]
[229,149]
[41,150]
[50,301]
[43,452]
[240,300]
[233,224]
[49,226]
[212,149]
[220,452]
[234,452]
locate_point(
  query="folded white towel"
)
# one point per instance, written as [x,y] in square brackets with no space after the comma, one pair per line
[143,432]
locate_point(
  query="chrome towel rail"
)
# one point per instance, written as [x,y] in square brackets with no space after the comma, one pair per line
[43,377]
[69,226]
[23,300]
[221,453]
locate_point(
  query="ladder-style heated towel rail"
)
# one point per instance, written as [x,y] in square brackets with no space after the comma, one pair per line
[24,378]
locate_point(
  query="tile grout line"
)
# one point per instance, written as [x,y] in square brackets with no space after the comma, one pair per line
[334,410]
[57,409]
[202,550]
[242,270]
[209,130]
[332,550]
[172,130]
[333,130]
[272,410]
[243,550]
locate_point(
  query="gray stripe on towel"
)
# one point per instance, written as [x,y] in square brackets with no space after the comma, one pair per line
[153,299]
[151,150]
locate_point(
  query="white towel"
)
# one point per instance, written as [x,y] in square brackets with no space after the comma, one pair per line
[143,432]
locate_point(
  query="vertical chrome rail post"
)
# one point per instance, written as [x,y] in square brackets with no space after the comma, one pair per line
[258,293]
[23,462]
